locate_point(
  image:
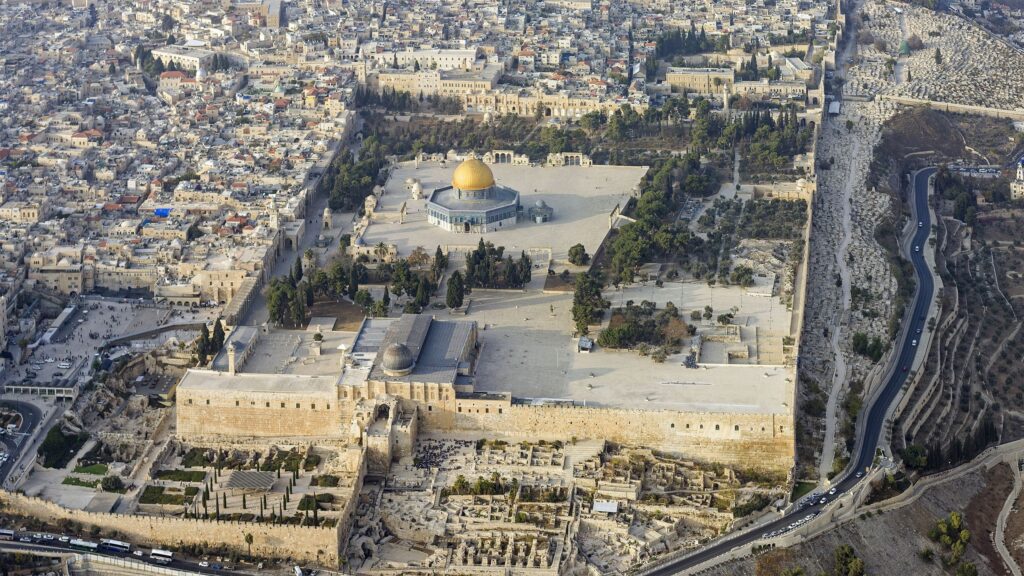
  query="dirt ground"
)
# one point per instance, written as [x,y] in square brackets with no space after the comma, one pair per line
[349,315]
[937,137]
[890,543]
[554,283]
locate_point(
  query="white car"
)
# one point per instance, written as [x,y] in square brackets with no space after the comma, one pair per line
[50,360]
[204,564]
[64,365]
[913,342]
[917,248]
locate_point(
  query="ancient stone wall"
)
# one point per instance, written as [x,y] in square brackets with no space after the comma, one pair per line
[757,441]
[762,441]
[219,413]
[302,543]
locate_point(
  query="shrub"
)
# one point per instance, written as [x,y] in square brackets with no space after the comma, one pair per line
[112,484]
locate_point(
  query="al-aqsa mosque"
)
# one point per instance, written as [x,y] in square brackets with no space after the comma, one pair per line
[474,203]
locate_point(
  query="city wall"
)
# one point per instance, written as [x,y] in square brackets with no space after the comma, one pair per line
[213,414]
[755,441]
[958,108]
[302,543]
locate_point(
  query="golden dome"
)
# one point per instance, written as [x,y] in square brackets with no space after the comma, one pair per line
[472,174]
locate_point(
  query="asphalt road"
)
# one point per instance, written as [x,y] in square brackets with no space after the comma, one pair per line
[875,414]
[30,417]
[35,543]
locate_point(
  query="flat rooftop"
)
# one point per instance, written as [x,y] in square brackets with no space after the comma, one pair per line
[292,352]
[197,379]
[582,198]
[527,351]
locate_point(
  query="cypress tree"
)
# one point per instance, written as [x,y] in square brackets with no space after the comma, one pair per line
[218,336]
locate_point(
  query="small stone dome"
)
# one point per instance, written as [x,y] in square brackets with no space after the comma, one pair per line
[472,174]
[398,360]
[541,204]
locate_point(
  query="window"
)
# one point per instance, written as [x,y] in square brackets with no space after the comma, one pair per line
[268,404]
[312,406]
[297,405]
[430,408]
[282,404]
[328,406]
[236,402]
[672,425]
[487,410]
[190,401]
[207,401]
[736,428]
[717,427]
[687,426]
[499,410]
[460,409]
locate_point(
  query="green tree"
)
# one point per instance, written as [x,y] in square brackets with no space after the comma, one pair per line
[249,539]
[578,255]
[456,290]
[218,335]
[203,348]
[587,302]
[112,484]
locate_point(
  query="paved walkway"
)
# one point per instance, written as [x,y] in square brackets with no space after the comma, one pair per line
[1000,536]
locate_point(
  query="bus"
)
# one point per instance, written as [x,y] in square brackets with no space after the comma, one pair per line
[116,546]
[84,545]
[6,534]
[161,556]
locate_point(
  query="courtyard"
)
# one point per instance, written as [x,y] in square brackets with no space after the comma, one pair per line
[582,199]
[527,350]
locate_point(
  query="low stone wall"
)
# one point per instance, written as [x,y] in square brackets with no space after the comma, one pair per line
[302,543]
[958,108]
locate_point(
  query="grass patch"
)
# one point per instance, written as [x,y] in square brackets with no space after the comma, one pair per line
[801,489]
[307,502]
[326,481]
[73,481]
[181,475]
[95,469]
[289,461]
[159,495]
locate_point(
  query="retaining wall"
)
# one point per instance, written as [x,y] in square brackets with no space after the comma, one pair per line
[304,543]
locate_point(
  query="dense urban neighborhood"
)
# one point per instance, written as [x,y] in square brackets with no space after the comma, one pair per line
[507,287]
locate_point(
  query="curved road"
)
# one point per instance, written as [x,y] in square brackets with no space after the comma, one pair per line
[30,418]
[875,414]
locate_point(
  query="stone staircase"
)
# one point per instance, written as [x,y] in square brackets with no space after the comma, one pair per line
[580,451]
